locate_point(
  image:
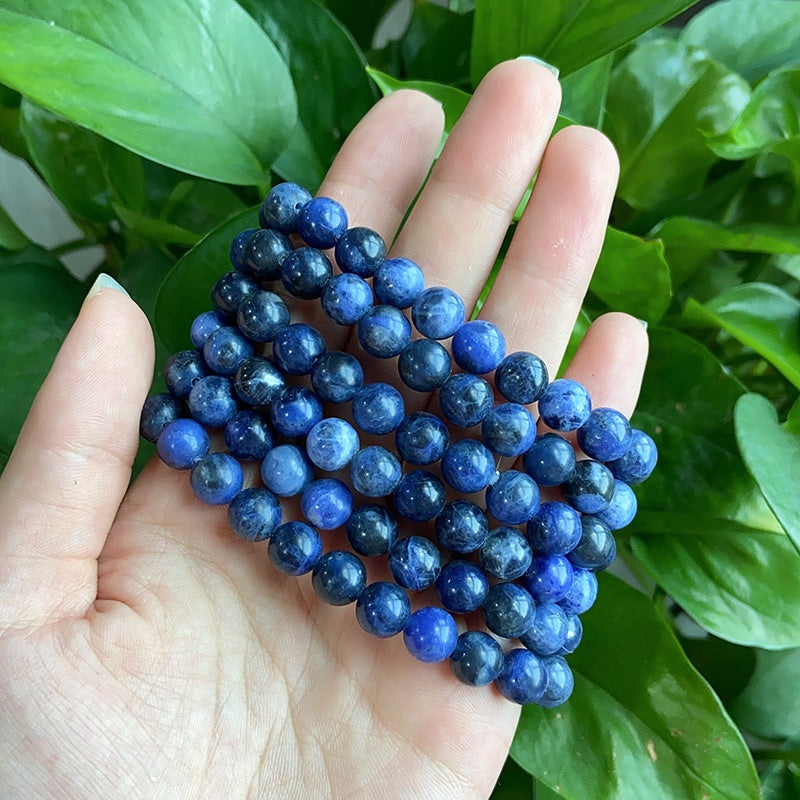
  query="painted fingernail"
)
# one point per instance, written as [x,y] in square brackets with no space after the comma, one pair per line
[105,281]
[643,322]
[535,60]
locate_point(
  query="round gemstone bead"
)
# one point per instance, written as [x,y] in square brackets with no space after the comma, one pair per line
[421,438]
[248,436]
[522,678]
[513,498]
[296,347]
[622,508]
[383,609]
[606,435]
[509,429]
[371,530]
[257,381]
[294,548]
[508,610]
[182,443]
[596,548]
[555,528]
[549,460]
[339,577]
[549,630]
[462,526]
[559,682]
[360,251]
[590,488]
[211,401]
[419,496]
[294,411]
[261,315]
[415,562]
[337,377]
[238,245]
[430,634]
[216,479]
[282,206]
[305,271]
[332,443]
[157,412]
[478,346]
[462,587]
[384,331]
[506,554]
[466,399]
[182,371]
[322,222]
[230,290]
[521,377]
[397,282]
[375,471]
[638,462]
[582,593]
[225,350]
[286,470]
[264,254]
[477,659]
[326,503]
[468,466]
[438,312]
[204,325]
[254,514]
[378,408]
[549,578]
[346,298]
[424,365]
[574,635]
[565,405]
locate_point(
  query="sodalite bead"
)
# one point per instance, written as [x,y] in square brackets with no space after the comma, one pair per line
[565,405]
[559,682]
[509,429]
[590,487]
[383,609]
[286,470]
[257,381]
[238,244]
[508,610]
[248,435]
[606,435]
[638,462]
[513,498]
[462,526]
[204,325]
[622,508]
[371,530]
[421,438]
[264,254]
[555,528]
[346,298]
[478,346]
[549,630]
[574,635]
[462,587]
[375,471]
[549,460]
[360,251]
[305,271]
[521,377]
[216,479]
[282,206]
[254,514]
[182,371]
[378,408]
[296,347]
[261,315]
[294,411]
[430,634]
[211,401]
[182,443]
[415,562]
[419,496]
[522,678]
[332,443]
[322,222]
[438,312]
[424,365]
[506,554]
[477,659]
[326,503]
[339,577]
[294,548]
[466,399]
[157,412]
[596,548]
[384,331]
[230,290]
[337,377]
[225,350]
[397,282]
[582,593]
[549,578]
[468,466]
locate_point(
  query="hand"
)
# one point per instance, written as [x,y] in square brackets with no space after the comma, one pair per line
[146,652]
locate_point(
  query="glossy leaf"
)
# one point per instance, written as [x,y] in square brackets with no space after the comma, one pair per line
[583,93]
[156,230]
[200,206]
[10,134]
[781,781]
[361,17]
[436,45]
[582,323]
[793,420]
[11,237]
[727,667]
[641,723]
[195,85]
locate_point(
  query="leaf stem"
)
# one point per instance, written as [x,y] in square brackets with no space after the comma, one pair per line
[75,244]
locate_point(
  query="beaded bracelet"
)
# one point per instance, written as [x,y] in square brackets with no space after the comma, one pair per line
[532,576]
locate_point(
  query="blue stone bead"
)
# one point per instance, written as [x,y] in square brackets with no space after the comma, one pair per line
[294,411]
[477,659]
[216,479]
[424,365]
[559,684]
[462,587]
[238,245]
[383,609]
[506,554]
[466,399]
[286,470]
[438,312]
[509,429]
[212,402]
[257,381]
[468,466]
[332,443]
[225,350]
[590,487]
[296,348]
[254,514]
[248,436]
[421,438]
[565,405]
[205,324]
[478,346]
[305,271]
[371,530]
[522,678]
[337,377]
[639,460]
[322,222]
[508,610]
[378,408]
[360,251]
[596,548]
[419,496]
[521,377]
[339,577]
[157,412]
[384,331]
[265,253]
[574,635]
[621,509]
[182,371]
[606,435]
[513,498]
[326,503]
[549,460]
[261,315]
[230,290]
[397,282]
[346,298]
[375,471]
[415,562]
[430,634]
[549,578]
[182,444]
[549,630]
[555,528]
[462,526]
[282,206]
[294,548]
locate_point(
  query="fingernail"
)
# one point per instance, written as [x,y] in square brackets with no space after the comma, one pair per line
[105,281]
[535,60]
[643,322]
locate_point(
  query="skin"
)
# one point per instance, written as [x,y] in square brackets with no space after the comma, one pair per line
[144,650]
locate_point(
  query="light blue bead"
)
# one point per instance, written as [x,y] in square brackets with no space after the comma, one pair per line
[182,443]
[565,405]
[286,470]
[478,346]
[606,435]
[332,443]
[621,509]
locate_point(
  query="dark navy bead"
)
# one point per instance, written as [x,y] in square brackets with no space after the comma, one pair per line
[375,471]
[462,587]
[549,630]
[157,412]
[559,682]
[326,503]
[419,496]
[582,594]
[339,578]
[261,315]
[509,429]
[238,245]
[522,678]
[478,346]
[371,530]
[378,408]
[415,562]
[294,411]
[462,526]
[383,609]
[555,528]
[384,331]
[574,635]
[468,466]
[477,659]
[421,438]
[622,508]
[513,498]
[230,290]
[282,206]
[205,324]
[360,251]
[212,401]
[590,487]
[424,365]
[346,298]
[397,282]
[337,377]
[305,271]
[638,462]
[248,436]
[606,435]
[294,548]
[216,479]
[550,460]
[549,578]
[466,399]
[430,634]
[596,548]
[257,381]
[296,348]
[322,222]
[521,377]
[254,514]
[508,610]
[332,443]
[183,443]
[182,371]
[264,255]
[286,470]
[438,312]
[565,405]
[225,350]
[506,554]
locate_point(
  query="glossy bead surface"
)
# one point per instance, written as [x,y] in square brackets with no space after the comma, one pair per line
[383,609]
[508,610]
[375,471]
[378,408]
[157,412]
[606,435]
[225,350]
[282,206]
[397,282]
[339,577]
[596,548]
[182,443]
[261,315]
[254,514]
[294,411]
[230,289]
[509,429]
[468,466]
[421,438]
[257,381]
[205,324]
[337,377]
[371,530]
[216,479]
[296,347]
[522,678]
[332,443]
[555,528]
[574,635]
[621,509]
[477,658]
[506,554]
[639,460]
[466,399]
[294,548]
[384,331]
[430,634]
[419,496]
[559,682]
[521,377]
[462,526]
[346,298]
[478,346]
[424,365]
[549,578]
[182,371]
[212,401]
[286,470]
[305,271]
[415,562]
[360,251]
[438,312]
[549,630]
[264,254]
[248,435]
[565,405]
[513,498]
[549,460]
[462,586]
[322,222]
[326,503]
[238,245]
[590,487]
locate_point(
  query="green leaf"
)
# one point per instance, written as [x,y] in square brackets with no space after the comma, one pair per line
[781,782]
[583,93]
[200,206]
[727,667]
[361,17]
[156,230]
[582,323]
[195,85]
[662,99]
[513,784]
[10,134]
[793,420]
[11,237]
[641,723]
[566,33]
